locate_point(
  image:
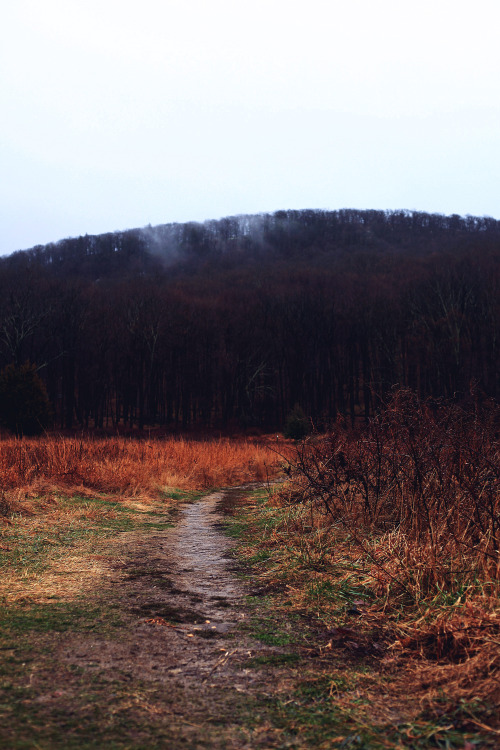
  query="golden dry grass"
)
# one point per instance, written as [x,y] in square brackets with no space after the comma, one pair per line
[49,548]
[131,468]
[51,527]
[443,642]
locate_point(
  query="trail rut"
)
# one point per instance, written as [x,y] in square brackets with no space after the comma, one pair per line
[186,608]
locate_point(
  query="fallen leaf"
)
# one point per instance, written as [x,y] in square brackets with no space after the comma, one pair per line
[160,621]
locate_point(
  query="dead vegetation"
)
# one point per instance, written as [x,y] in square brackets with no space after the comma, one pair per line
[126,467]
[63,499]
[389,537]
[382,546]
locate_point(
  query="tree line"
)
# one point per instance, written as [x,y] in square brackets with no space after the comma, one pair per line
[232,324]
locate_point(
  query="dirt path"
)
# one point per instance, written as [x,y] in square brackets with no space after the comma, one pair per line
[167,652]
[186,639]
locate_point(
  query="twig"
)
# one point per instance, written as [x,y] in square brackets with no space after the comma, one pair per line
[222,660]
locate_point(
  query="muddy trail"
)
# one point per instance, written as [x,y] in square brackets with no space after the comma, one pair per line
[188,645]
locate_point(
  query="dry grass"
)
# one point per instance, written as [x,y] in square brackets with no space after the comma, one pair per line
[435,661]
[55,547]
[62,500]
[389,537]
[131,468]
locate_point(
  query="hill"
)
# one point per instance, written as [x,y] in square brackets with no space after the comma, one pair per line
[231,323]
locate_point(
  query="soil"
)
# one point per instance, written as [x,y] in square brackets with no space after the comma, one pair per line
[186,636]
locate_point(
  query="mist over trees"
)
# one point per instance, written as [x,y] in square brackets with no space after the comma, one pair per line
[235,323]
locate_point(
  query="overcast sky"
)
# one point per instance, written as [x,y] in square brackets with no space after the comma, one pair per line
[116,114]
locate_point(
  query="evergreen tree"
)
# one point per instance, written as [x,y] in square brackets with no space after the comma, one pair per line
[24,404]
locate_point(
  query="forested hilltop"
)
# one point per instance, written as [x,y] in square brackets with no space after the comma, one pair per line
[231,323]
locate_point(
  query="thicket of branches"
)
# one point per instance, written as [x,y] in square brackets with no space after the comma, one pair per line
[234,323]
[423,477]
[400,518]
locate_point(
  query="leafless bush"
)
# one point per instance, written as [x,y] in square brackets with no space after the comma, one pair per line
[424,475]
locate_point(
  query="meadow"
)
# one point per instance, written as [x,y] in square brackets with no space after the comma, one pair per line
[127,467]
[380,551]
[60,495]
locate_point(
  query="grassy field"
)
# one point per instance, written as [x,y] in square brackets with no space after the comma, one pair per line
[61,497]
[122,466]
[383,633]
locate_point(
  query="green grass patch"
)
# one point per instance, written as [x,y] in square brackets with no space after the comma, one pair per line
[233,528]
[269,631]
[90,713]
[312,716]
[181,496]
[272,660]
[57,617]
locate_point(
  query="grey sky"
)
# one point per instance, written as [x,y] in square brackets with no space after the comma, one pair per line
[116,114]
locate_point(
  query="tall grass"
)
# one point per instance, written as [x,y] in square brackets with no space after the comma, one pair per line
[129,467]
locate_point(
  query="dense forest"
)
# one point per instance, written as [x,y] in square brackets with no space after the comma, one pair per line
[230,324]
